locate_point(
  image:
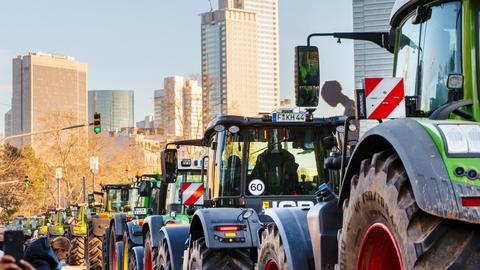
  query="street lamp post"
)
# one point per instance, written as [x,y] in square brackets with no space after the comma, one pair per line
[93,168]
[58,176]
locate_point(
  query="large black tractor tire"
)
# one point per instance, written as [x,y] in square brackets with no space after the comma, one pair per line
[132,261]
[381,196]
[150,253]
[164,261]
[94,251]
[202,258]
[113,256]
[77,253]
[271,253]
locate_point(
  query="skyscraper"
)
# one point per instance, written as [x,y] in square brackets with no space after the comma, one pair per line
[157,105]
[116,108]
[8,123]
[371,60]
[179,108]
[229,61]
[267,52]
[48,91]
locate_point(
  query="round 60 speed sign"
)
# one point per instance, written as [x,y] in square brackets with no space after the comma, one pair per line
[256,187]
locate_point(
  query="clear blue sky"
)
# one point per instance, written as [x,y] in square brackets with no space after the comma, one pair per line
[135,44]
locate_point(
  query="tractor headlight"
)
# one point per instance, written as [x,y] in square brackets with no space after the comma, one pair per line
[461,139]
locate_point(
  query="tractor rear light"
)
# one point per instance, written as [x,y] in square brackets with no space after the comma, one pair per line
[129,219]
[470,201]
[103,216]
[229,228]
[169,222]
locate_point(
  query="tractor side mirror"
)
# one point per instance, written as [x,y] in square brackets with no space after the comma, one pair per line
[169,165]
[307,76]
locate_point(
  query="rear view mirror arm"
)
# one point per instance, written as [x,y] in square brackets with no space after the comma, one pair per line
[382,39]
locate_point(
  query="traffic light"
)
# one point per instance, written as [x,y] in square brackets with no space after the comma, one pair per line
[97,124]
[26,181]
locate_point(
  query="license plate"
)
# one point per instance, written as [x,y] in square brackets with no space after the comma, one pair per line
[288,117]
[140,211]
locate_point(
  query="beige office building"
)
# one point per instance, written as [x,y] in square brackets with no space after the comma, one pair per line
[229,61]
[267,52]
[49,91]
[178,108]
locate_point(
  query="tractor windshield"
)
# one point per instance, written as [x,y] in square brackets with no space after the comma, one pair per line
[119,200]
[428,52]
[175,188]
[284,161]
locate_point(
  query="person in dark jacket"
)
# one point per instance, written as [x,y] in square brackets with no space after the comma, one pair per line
[48,253]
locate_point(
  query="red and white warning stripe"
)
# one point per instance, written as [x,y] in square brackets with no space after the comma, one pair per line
[192,193]
[71,220]
[384,98]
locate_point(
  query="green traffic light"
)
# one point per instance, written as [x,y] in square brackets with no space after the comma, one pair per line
[96,130]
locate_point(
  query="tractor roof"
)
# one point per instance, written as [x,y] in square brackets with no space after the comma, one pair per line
[266,120]
[404,6]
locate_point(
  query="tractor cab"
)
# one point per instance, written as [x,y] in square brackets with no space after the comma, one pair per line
[148,194]
[188,179]
[261,162]
[119,198]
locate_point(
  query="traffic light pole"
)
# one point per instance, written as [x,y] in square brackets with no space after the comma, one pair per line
[3,140]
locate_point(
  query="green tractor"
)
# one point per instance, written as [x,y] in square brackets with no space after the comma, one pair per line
[59,225]
[128,226]
[158,202]
[115,198]
[78,233]
[24,224]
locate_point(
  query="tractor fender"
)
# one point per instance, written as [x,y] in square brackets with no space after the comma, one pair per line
[138,253]
[134,234]
[292,225]
[205,221]
[99,225]
[153,224]
[423,163]
[176,237]
[119,220]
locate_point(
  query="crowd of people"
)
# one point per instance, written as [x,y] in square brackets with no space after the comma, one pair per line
[44,253]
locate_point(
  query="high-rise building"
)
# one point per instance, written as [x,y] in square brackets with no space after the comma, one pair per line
[172,107]
[371,60]
[229,61]
[286,103]
[267,51]
[8,123]
[115,107]
[157,105]
[49,91]
[192,109]
[147,122]
[179,108]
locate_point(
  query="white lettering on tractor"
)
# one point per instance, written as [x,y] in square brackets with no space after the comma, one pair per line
[281,204]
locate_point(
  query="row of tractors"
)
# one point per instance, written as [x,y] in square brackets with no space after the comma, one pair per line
[293,191]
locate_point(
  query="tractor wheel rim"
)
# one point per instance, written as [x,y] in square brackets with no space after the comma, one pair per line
[125,256]
[113,255]
[148,259]
[271,265]
[379,250]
